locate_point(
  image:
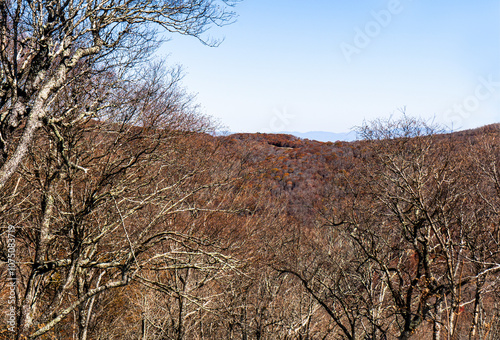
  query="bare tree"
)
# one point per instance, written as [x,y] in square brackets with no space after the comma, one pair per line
[406,241]
[108,201]
[484,242]
[48,46]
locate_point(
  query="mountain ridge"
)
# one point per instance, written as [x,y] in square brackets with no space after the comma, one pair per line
[324,136]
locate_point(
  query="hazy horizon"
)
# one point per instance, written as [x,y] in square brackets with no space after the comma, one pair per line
[327,66]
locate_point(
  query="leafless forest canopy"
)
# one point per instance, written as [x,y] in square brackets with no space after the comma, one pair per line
[122,216]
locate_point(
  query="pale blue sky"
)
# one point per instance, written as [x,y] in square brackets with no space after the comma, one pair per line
[290,65]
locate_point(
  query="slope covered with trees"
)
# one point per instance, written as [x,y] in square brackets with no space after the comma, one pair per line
[123,217]
[129,230]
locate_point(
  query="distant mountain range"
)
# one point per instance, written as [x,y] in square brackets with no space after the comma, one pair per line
[323,136]
[320,136]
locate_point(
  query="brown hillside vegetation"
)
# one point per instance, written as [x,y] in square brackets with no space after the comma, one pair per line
[123,217]
[161,233]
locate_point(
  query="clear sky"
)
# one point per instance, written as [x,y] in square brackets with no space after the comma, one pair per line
[326,65]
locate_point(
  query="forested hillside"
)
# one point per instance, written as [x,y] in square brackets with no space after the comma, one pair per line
[140,233]
[124,216]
